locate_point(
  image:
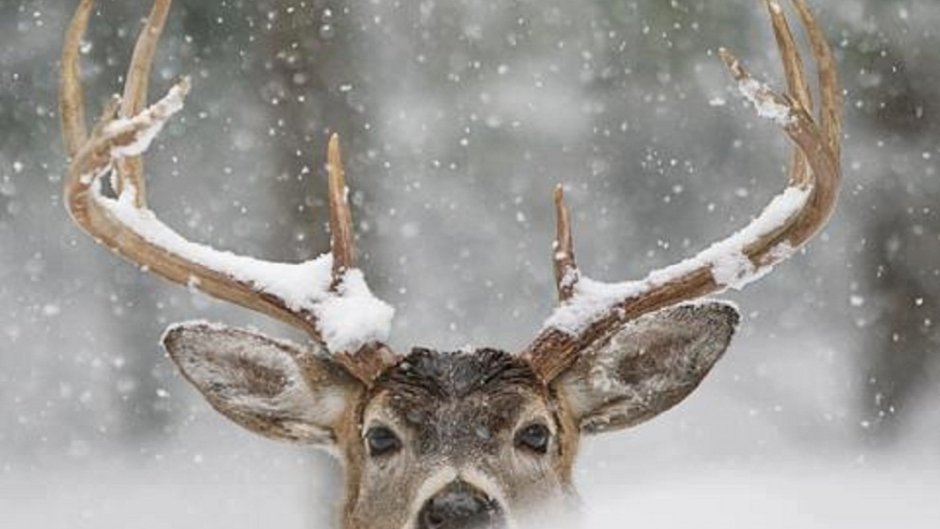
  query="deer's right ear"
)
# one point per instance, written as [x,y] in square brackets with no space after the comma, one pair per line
[270,387]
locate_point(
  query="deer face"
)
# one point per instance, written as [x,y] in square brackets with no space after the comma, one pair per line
[454,440]
[464,438]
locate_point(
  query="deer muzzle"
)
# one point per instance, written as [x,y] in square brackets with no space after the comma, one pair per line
[460,505]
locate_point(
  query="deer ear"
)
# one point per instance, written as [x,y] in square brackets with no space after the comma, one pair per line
[647,366]
[270,387]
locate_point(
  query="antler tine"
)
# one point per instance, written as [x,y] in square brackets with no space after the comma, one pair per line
[371,359]
[566,269]
[830,88]
[301,295]
[790,221]
[797,84]
[795,72]
[130,170]
[138,73]
[71,95]
[341,231]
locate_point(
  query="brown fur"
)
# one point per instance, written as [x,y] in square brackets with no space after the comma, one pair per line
[457,415]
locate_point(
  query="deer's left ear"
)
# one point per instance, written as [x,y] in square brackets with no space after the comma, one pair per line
[647,366]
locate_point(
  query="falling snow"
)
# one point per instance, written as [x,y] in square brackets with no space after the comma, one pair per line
[458,118]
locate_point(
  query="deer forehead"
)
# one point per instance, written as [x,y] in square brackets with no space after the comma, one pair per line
[443,398]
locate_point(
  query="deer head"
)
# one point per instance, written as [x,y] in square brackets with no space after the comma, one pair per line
[434,440]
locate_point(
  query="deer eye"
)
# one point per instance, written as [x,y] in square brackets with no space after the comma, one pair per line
[382,441]
[534,438]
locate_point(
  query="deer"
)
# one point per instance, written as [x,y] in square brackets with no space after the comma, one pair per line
[431,439]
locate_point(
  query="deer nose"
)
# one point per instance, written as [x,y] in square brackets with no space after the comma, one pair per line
[460,506]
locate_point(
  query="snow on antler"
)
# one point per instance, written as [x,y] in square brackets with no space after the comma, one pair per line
[591,310]
[727,261]
[147,125]
[326,297]
[348,318]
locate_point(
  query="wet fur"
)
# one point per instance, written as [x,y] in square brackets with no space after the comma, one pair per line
[456,414]
[459,398]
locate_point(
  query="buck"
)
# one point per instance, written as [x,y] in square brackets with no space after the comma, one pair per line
[434,440]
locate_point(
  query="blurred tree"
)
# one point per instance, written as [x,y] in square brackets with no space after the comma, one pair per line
[899,218]
[308,59]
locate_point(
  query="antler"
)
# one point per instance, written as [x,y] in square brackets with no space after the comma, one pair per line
[327,298]
[591,310]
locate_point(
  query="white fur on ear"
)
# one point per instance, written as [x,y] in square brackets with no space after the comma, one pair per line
[270,387]
[648,366]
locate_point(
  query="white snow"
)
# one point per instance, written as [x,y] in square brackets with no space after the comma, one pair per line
[591,300]
[826,495]
[148,123]
[353,316]
[730,267]
[348,318]
[784,494]
[761,96]
[726,260]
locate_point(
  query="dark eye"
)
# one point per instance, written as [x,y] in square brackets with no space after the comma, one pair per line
[382,441]
[534,437]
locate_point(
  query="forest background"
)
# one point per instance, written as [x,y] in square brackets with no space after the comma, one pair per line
[458,117]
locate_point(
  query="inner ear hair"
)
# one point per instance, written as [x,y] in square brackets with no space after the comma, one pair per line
[270,387]
[647,365]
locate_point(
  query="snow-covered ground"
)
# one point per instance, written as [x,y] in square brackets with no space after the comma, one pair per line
[786,495]
[235,491]
[733,467]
